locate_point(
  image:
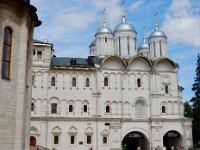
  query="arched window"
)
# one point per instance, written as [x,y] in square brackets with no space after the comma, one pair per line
[166,89]
[70,108]
[32,106]
[72,139]
[138,82]
[85,108]
[53,81]
[89,139]
[73,82]
[163,109]
[56,139]
[6,56]
[107,109]
[87,84]
[106,81]
[105,140]
[32,141]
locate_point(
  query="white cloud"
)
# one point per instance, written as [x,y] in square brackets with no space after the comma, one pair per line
[69,21]
[113,10]
[76,19]
[181,25]
[136,5]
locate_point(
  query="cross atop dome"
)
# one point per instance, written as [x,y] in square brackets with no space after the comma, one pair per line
[156,18]
[144,34]
[123,12]
[104,18]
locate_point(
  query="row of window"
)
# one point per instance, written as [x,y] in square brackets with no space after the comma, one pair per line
[54,108]
[88,139]
[87,83]
[56,140]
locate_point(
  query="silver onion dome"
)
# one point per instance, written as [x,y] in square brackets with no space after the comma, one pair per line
[124,27]
[144,45]
[157,33]
[104,30]
[93,43]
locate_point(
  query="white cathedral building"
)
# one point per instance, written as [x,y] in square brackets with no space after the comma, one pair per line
[120,97]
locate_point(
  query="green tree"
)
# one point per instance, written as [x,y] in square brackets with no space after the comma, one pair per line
[188,110]
[196,106]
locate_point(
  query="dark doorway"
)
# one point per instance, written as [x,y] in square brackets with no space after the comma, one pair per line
[133,140]
[172,139]
[32,141]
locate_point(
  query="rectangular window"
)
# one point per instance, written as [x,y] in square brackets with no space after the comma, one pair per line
[73,82]
[72,140]
[89,139]
[53,108]
[6,59]
[56,139]
[105,140]
[105,81]
[32,106]
[39,55]
[105,40]
[166,89]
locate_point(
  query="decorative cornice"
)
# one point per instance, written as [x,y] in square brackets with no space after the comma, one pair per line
[73,68]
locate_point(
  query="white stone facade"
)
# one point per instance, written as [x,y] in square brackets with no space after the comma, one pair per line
[120,98]
[15,89]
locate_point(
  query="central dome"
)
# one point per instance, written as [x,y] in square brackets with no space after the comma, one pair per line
[124,27]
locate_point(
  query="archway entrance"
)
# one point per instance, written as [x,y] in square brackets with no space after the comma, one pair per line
[32,141]
[133,140]
[172,139]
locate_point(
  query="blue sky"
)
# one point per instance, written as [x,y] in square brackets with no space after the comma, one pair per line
[71,25]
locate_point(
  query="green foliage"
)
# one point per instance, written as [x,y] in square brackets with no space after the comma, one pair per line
[123,147]
[188,110]
[196,85]
[196,105]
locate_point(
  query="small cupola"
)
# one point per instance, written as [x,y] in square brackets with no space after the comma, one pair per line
[143,49]
[157,42]
[104,40]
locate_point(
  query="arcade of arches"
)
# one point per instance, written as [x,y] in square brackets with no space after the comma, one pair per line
[135,140]
[172,139]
